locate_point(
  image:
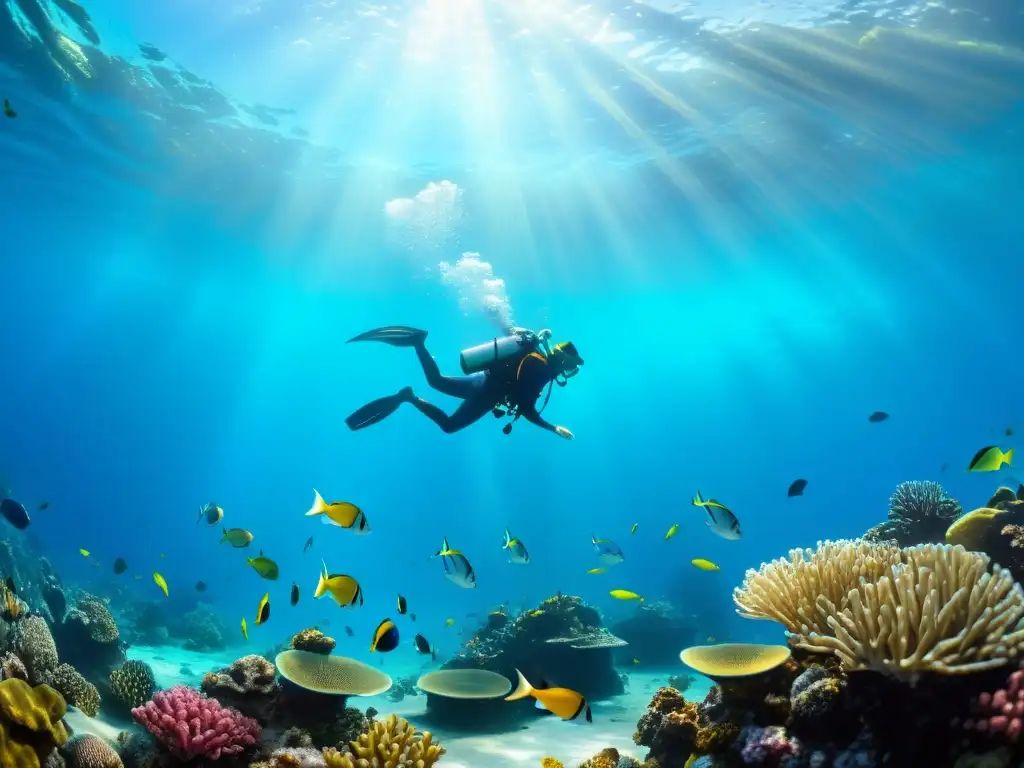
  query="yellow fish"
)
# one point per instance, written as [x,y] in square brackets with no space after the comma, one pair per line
[84,552]
[672,531]
[449,622]
[625,594]
[339,513]
[633,529]
[565,703]
[162,555]
[161,582]
[236,537]
[705,565]
[596,570]
[636,660]
[344,589]
[245,630]
[989,459]
[264,566]
[691,760]
[263,611]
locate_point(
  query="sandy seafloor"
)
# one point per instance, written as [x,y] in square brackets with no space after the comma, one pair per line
[613,726]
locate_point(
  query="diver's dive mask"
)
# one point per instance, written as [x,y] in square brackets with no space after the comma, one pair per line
[569,357]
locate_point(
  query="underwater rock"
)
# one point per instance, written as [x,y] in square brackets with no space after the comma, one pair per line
[655,634]
[89,640]
[920,511]
[201,629]
[526,644]
[249,685]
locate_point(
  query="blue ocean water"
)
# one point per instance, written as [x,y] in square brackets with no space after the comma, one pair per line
[758,223]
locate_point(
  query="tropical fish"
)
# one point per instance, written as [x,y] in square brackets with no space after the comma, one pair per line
[1008,432]
[120,566]
[295,594]
[339,513]
[597,570]
[15,513]
[607,551]
[163,554]
[245,630]
[456,567]
[349,632]
[344,589]
[84,552]
[236,537]
[161,582]
[422,646]
[672,531]
[264,566]
[263,610]
[796,488]
[12,606]
[43,505]
[625,594]
[412,616]
[516,550]
[565,703]
[878,417]
[449,622]
[200,586]
[211,512]
[402,605]
[704,565]
[720,520]
[989,459]
[385,637]
[309,543]
[636,660]
[9,110]
[632,528]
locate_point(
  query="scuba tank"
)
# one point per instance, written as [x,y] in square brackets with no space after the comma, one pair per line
[483,356]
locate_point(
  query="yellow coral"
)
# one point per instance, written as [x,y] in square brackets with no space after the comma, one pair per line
[551,762]
[606,758]
[970,530]
[38,710]
[390,743]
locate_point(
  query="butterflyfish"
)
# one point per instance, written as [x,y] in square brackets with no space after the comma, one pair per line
[339,513]
[385,637]
[343,589]
[263,610]
[563,702]
[161,582]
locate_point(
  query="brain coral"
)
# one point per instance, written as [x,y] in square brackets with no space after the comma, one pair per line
[133,683]
[91,752]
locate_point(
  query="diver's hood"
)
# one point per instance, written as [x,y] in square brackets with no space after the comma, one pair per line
[569,350]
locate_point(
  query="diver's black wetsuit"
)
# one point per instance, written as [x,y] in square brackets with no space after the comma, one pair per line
[519,385]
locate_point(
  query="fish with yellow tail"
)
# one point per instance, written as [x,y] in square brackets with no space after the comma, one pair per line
[263,610]
[625,594]
[720,519]
[563,702]
[456,566]
[161,582]
[989,459]
[264,566]
[516,550]
[704,565]
[245,630]
[345,590]
[339,513]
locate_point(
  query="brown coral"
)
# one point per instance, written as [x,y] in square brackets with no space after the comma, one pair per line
[606,758]
[250,675]
[716,737]
[91,752]
[313,640]
[12,666]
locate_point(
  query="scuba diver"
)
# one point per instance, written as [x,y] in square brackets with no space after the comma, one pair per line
[504,376]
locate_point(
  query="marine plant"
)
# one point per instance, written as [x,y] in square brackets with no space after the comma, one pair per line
[76,690]
[901,612]
[189,724]
[133,683]
[31,724]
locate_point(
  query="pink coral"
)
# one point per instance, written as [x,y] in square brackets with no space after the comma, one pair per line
[1001,712]
[191,725]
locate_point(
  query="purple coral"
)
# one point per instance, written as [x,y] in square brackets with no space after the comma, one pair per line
[191,725]
[768,746]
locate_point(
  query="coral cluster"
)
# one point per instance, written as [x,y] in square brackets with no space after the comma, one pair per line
[34,645]
[96,617]
[390,743]
[1002,711]
[191,725]
[76,690]
[31,724]
[201,629]
[919,513]
[902,612]
[606,758]
[132,683]
[92,752]
[313,640]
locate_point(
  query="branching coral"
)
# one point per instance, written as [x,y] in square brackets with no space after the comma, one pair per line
[902,612]
[133,683]
[919,513]
[76,690]
[390,743]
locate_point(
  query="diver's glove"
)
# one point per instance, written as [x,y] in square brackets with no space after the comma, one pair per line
[565,433]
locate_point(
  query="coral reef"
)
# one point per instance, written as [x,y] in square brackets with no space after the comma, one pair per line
[313,640]
[92,752]
[848,598]
[606,758]
[31,724]
[994,529]
[12,666]
[76,690]
[404,686]
[132,684]
[551,762]
[920,511]
[561,641]
[655,633]
[1002,711]
[35,646]
[249,685]
[96,617]
[201,629]
[189,724]
[145,623]
[89,639]
[389,743]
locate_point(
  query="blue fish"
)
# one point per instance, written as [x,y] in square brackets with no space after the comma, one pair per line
[607,551]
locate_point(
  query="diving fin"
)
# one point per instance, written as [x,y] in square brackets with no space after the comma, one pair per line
[378,410]
[395,335]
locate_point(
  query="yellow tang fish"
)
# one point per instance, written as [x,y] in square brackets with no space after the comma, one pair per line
[705,565]
[263,611]
[632,530]
[344,589]
[449,622]
[161,582]
[84,552]
[672,531]
[625,594]
[565,703]
[989,459]
[245,630]
[264,566]
[596,570]
[339,513]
